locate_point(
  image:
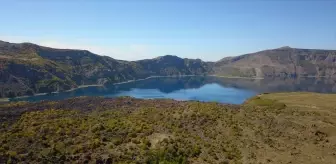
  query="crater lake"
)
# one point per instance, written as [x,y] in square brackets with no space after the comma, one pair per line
[198,88]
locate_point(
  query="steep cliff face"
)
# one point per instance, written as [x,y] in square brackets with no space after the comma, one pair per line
[283,61]
[28,68]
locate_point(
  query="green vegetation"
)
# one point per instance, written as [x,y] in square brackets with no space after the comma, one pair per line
[269,128]
[146,135]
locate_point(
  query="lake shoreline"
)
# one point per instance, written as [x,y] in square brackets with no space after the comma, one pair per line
[6,99]
[2,100]
[237,77]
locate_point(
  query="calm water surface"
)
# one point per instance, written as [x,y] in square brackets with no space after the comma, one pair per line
[208,89]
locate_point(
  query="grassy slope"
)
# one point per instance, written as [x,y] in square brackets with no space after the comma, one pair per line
[293,127]
[270,128]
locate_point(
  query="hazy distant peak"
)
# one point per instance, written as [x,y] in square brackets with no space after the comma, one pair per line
[168,57]
[285,47]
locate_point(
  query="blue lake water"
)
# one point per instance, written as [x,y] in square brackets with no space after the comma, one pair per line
[207,89]
[208,92]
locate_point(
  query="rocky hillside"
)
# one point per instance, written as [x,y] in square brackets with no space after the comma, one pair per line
[27,69]
[285,61]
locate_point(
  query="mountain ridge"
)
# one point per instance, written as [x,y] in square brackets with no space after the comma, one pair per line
[283,61]
[27,68]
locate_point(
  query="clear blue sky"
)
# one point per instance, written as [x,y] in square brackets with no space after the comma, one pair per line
[137,29]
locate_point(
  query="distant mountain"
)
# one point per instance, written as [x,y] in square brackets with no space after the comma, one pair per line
[284,61]
[173,65]
[27,69]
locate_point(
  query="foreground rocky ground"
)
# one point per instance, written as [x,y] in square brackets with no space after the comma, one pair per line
[269,128]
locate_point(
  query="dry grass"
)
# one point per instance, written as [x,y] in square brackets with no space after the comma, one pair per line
[305,99]
[304,131]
